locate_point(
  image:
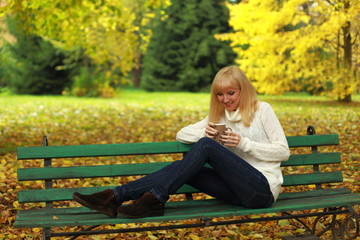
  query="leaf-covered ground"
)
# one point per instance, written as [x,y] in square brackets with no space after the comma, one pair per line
[137,116]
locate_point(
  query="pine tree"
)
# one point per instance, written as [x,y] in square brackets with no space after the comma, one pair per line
[183,54]
[33,69]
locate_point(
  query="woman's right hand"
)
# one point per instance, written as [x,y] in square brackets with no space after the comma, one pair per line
[210,130]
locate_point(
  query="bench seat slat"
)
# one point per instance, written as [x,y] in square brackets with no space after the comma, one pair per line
[64,194]
[283,196]
[96,150]
[40,195]
[26,174]
[202,209]
[313,193]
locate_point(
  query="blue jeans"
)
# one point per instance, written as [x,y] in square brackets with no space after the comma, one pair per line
[230,178]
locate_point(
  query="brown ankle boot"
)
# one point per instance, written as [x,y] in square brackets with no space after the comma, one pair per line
[146,206]
[103,202]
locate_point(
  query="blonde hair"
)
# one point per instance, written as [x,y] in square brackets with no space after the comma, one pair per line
[233,77]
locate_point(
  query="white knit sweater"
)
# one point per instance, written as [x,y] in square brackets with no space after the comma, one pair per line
[263,144]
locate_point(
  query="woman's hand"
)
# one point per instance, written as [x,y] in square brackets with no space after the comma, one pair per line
[210,131]
[230,139]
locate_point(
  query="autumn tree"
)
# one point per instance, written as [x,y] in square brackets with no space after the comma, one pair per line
[108,32]
[285,45]
[183,53]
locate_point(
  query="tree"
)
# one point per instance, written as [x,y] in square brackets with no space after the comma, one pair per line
[32,64]
[284,45]
[183,53]
[108,32]
[144,12]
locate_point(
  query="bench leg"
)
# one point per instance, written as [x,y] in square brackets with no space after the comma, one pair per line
[46,234]
[341,229]
[347,228]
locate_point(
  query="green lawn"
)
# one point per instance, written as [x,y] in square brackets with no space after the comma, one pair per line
[23,119]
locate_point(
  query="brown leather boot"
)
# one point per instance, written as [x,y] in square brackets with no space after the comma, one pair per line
[146,206]
[103,202]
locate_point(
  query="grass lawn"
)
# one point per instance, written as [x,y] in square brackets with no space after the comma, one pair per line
[24,117]
[139,116]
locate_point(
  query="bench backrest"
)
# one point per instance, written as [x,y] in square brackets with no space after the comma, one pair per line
[313,158]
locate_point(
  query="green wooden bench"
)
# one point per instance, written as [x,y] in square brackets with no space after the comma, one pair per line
[311,194]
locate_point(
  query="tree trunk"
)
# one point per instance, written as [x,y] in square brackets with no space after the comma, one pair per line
[137,70]
[347,57]
[136,76]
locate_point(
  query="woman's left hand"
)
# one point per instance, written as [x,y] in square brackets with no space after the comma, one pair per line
[231,139]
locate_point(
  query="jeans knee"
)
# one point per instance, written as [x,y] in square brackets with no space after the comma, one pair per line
[206,141]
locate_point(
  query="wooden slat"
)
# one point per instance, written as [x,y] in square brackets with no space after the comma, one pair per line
[311,159]
[200,209]
[145,148]
[41,195]
[64,194]
[312,178]
[97,150]
[89,171]
[313,193]
[146,168]
[313,140]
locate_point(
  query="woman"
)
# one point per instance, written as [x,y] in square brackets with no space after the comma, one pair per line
[245,167]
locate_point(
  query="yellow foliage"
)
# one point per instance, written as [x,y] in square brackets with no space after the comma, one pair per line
[284,46]
[108,31]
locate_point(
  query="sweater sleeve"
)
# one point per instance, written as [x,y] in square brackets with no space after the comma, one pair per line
[193,132]
[276,149]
